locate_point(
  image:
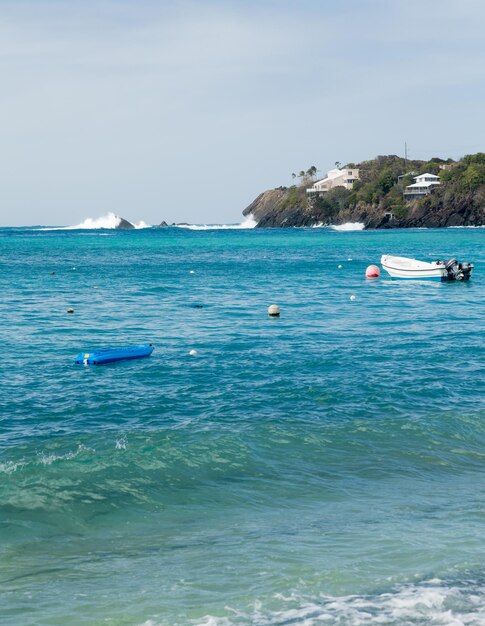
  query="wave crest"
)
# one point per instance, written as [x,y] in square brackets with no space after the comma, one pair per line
[108,221]
[250,222]
[348,226]
[432,601]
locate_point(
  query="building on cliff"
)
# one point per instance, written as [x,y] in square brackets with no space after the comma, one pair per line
[423,186]
[335,178]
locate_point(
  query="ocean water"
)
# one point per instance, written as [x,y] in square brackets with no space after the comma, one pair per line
[324,467]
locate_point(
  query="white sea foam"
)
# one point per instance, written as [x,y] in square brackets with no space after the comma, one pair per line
[250,222]
[341,227]
[109,221]
[44,458]
[142,224]
[480,226]
[9,467]
[121,443]
[48,459]
[348,226]
[431,602]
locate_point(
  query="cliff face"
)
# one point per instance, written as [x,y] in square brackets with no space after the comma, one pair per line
[445,208]
[268,202]
[275,208]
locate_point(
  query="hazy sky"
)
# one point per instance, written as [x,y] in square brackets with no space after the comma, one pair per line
[185,111]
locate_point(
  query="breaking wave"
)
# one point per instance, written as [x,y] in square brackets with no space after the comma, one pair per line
[250,222]
[430,602]
[347,226]
[109,221]
[477,226]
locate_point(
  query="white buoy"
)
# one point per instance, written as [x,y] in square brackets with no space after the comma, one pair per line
[191,272]
[352,297]
[193,352]
[70,310]
[274,310]
[349,259]
[340,267]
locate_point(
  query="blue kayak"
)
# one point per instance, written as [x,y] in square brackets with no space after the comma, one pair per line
[110,355]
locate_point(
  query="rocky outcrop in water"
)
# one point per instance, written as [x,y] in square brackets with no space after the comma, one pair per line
[124,225]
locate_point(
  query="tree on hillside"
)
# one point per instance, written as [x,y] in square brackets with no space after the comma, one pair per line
[474,176]
[385,182]
[478,158]
[311,171]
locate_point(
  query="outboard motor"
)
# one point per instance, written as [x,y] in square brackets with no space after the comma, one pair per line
[453,270]
[466,269]
[458,271]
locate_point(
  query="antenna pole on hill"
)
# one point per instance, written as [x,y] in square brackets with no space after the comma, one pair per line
[405,155]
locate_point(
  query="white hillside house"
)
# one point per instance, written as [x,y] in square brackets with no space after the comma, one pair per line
[423,186]
[335,178]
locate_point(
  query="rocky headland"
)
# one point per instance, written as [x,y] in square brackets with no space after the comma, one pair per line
[377,200]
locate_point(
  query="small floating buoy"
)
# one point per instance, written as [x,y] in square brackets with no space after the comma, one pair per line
[193,352]
[349,259]
[352,297]
[274,310]
[339,267]
[372,271]
[191,272]
[70,310]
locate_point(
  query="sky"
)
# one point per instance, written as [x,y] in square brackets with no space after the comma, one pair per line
[186,111]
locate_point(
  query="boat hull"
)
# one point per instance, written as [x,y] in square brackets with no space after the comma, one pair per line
[401,267]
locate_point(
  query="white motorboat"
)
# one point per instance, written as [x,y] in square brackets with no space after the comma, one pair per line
[402,267]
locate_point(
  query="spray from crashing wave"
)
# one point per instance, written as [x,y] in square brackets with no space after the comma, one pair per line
[348,226]
[250,222]
[108,221]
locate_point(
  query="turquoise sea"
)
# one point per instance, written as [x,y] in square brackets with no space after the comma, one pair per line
[325,467]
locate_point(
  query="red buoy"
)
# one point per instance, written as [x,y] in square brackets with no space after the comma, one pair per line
[372,271]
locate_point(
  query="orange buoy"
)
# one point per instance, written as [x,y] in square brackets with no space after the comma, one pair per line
[372,271]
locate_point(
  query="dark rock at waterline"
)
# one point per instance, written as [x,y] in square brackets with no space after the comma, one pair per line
[164,223]
[124,225]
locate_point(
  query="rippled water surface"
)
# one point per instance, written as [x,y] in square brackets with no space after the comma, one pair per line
[325,467]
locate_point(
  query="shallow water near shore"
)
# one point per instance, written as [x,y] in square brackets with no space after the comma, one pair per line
[321,467]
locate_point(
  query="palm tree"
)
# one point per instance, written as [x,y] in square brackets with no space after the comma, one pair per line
[311,171]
